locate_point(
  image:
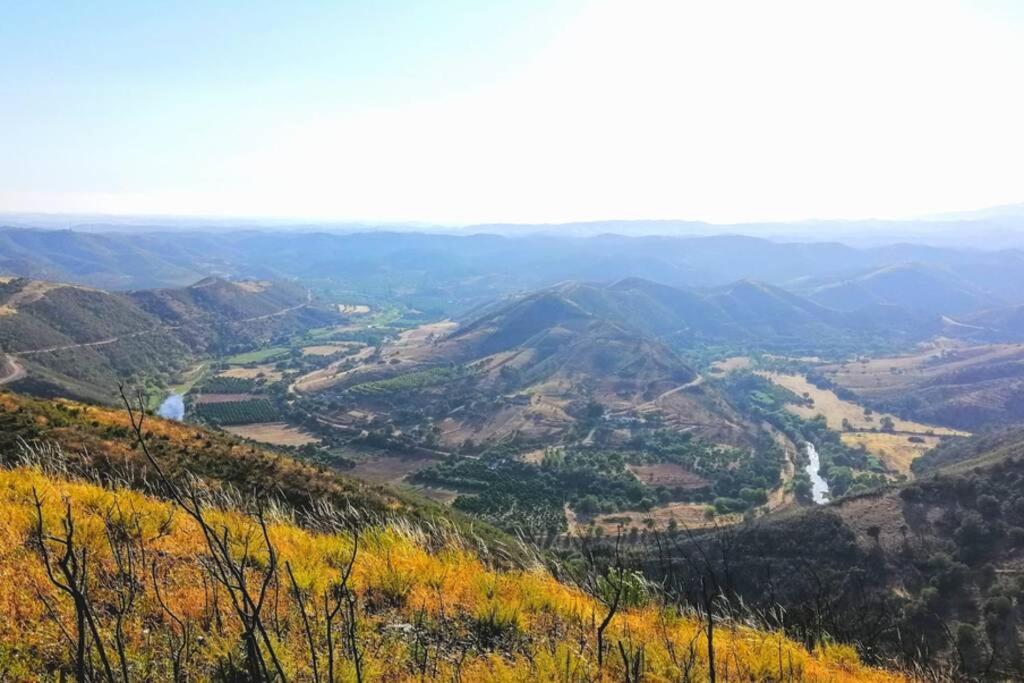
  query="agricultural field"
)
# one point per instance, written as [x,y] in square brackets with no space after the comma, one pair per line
[353,309]
[260,371]
[328,349]
[237,412]
[273,433]
[668,474]
[206,398]
[229,385]
[393,469]
[257,356]
[410,381]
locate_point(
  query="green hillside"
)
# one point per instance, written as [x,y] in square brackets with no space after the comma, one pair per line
[80,342]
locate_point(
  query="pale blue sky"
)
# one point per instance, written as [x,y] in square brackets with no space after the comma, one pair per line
[519,111]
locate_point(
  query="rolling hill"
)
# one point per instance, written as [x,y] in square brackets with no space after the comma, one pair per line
[529,368]
[78,341]
[455,272]
[913,287]
[949,383]
[746,312]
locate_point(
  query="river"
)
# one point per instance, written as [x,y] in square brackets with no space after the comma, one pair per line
[819,487]
[173,408]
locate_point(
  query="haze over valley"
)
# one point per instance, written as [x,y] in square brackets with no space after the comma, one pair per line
[576,341]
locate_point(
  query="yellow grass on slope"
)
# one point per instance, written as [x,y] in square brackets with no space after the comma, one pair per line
[423,609]
[897,451]
[836,409]
[266,371]
[274,433]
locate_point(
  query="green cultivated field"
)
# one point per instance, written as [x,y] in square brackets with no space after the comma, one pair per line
[237,412]
[258,356]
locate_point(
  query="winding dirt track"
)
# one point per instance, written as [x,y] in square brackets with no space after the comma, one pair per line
[11,371]
[159,328]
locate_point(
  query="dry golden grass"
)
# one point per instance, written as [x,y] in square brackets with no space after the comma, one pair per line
[325,349]
[266,371]
[890,376]
[274,433]
[731,364]
[400,576]
[536,456]
[686,515]
[895,450]
[836,409]
[254,286]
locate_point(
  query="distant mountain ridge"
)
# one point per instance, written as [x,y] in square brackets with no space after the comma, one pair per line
[435,269]
[745,311]
[913,286]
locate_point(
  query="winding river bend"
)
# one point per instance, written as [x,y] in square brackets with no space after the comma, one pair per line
[173,408]
[819,487]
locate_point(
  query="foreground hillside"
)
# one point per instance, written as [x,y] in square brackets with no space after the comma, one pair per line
[272,601]
[95,441]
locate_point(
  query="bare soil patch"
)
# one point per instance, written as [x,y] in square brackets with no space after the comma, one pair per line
[327,349]
[392,470]
[266,371]
[669,475]
[252,285]
[274,433]
[731,364]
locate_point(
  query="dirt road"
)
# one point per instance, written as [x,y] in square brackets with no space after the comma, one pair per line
[160,328]
[11,371]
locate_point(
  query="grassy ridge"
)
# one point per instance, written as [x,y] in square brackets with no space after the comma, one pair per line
[421,604]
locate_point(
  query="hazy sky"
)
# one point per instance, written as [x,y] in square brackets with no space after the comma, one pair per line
[458,112]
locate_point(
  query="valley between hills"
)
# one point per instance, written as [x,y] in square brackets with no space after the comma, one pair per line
[587,341]
[600,424]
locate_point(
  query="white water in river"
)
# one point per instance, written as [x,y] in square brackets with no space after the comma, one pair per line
[173,408]
[819,487]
